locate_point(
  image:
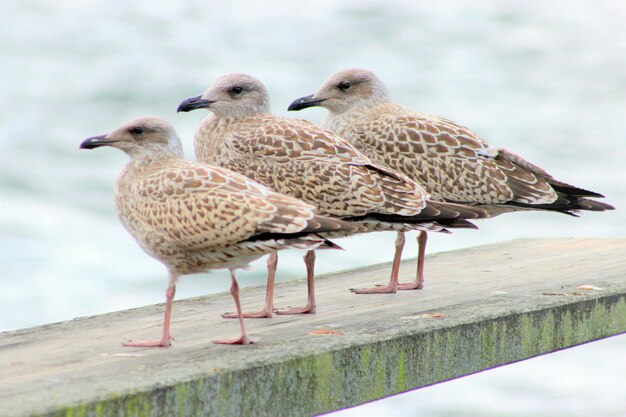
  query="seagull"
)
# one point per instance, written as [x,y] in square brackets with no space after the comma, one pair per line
[450,161]
[194,217]
[298,158]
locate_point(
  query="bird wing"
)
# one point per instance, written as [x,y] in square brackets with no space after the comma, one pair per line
[302,160]
[280,138]
[199,206]
[449,160]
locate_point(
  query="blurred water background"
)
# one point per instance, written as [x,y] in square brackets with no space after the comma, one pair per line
[544,79]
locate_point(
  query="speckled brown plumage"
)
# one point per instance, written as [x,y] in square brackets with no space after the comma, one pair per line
[194,217]
[197,217]
[297,158]
[450,161]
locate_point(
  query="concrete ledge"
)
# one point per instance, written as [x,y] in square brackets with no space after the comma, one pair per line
[482,307]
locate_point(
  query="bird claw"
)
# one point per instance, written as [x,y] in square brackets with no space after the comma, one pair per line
[265,313]
[411,286]
[378,289]
[296,310]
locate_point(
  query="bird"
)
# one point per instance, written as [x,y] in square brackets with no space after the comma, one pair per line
[194,217]
[450,161]
[298,158]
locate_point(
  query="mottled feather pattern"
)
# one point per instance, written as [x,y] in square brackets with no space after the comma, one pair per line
[194,217]
[296,158]
[449,160]
[197,217]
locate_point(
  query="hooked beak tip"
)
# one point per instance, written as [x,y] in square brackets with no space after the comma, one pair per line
[95,142]
[305,102]
[193,103]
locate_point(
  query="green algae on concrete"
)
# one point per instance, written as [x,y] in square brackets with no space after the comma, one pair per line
[467,320]
[337,379]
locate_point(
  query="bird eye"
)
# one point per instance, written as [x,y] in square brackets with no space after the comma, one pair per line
[236,89]
[343,86]
[136,130]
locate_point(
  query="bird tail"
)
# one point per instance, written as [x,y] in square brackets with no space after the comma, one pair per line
[444,215]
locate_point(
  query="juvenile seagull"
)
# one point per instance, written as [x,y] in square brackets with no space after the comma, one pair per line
[194,217]
[450,161]
[297,158]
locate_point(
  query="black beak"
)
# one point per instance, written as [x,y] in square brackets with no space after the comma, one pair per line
[193,103]
[304,102]
[95,142]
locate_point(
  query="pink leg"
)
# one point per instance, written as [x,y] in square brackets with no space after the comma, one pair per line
[418,284]
[165,337]
[244,339]
[309,261]
[392,287]
[272,263]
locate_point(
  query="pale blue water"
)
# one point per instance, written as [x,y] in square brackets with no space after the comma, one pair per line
[546,80]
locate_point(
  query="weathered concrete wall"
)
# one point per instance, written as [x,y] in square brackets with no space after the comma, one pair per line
[475,314]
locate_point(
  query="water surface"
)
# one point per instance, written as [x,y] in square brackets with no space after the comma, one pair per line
[546,80]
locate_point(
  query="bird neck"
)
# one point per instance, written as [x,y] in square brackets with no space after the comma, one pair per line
[342,123]
[241,109]
[154,156]
[155,151]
